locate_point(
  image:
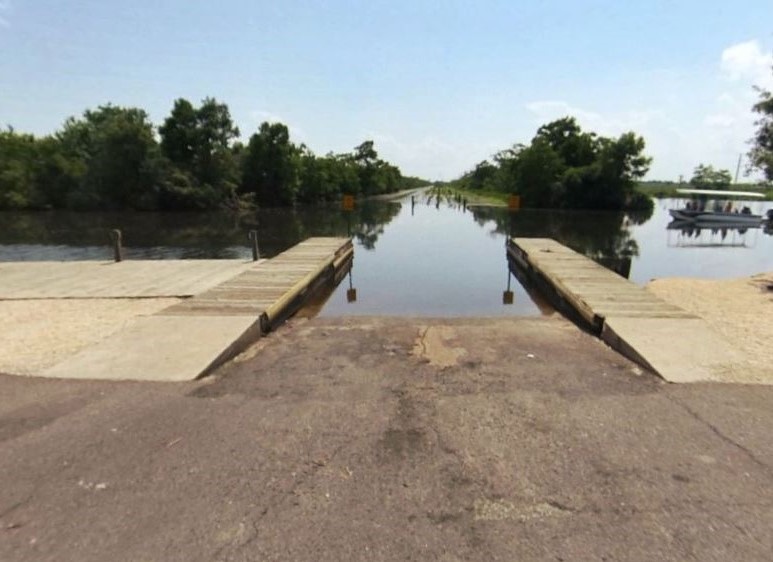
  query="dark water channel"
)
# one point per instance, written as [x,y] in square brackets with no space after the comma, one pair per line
[432,259]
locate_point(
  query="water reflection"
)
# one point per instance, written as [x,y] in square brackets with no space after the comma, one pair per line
[532,291]
[73,236]
[423,255]
[701,235]
[602,236]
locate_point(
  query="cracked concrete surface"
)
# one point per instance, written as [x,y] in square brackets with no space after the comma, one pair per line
[343,439]
[435,345]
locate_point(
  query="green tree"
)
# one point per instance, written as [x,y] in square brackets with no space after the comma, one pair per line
[706,177]
[180,135]
[318,178]
[58,175]
[17,179]
[271,166]
[536,174]
[345,173]
[483,176]
[122,160]
[761,153]
[36,173]
[566,138]
[216,130]
[621,163]
[366,158]
[199,144]
[566,167]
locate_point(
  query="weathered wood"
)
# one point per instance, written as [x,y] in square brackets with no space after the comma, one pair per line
[593,291]
[189,339]
[677,345]
[271,288]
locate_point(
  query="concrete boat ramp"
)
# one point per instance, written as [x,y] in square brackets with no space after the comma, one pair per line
[226,305]
[220,307]
[678,346]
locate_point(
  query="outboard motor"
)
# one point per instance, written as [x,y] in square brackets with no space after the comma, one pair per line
[770,215]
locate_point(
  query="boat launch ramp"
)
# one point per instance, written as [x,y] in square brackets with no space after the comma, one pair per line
[675,344]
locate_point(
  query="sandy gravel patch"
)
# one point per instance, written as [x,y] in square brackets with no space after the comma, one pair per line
[740,310]
[37,334]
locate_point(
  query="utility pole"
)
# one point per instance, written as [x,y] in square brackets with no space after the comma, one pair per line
[738,167]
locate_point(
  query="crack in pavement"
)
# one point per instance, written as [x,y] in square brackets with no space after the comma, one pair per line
[714,429]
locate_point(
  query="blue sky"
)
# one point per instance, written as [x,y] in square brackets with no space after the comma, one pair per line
[438,85]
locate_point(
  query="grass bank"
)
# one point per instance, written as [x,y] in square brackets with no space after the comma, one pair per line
[480,198]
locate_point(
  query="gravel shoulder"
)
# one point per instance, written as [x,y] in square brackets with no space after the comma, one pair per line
[38,333]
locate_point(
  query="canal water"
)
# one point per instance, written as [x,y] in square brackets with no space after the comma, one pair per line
[434,258]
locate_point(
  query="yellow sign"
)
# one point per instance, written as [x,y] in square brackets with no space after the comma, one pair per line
[348,203]
[514,202]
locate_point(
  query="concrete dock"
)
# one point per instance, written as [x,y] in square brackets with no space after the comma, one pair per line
[678,346]
[222,306]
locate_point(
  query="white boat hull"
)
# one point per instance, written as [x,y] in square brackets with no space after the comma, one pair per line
[709,217]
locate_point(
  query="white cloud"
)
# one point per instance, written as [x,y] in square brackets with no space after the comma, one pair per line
[610,124]
[748,62]
[720,120]
[428,156]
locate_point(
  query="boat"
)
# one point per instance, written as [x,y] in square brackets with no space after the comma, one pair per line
[711,207]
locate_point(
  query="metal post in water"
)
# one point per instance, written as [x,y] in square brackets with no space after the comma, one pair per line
[117,239]
[253,235]
[351,293]
[508,297]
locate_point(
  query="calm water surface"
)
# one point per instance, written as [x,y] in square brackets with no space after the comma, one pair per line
[431,259]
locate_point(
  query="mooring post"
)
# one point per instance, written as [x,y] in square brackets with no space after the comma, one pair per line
[255,250]
[117,239]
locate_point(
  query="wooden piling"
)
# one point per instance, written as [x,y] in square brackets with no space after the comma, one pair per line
[117,239]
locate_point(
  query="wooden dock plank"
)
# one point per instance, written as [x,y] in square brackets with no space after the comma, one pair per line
[674,343]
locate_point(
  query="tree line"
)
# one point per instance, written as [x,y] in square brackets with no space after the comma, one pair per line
[114,158]
[761,153]
[566,167]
